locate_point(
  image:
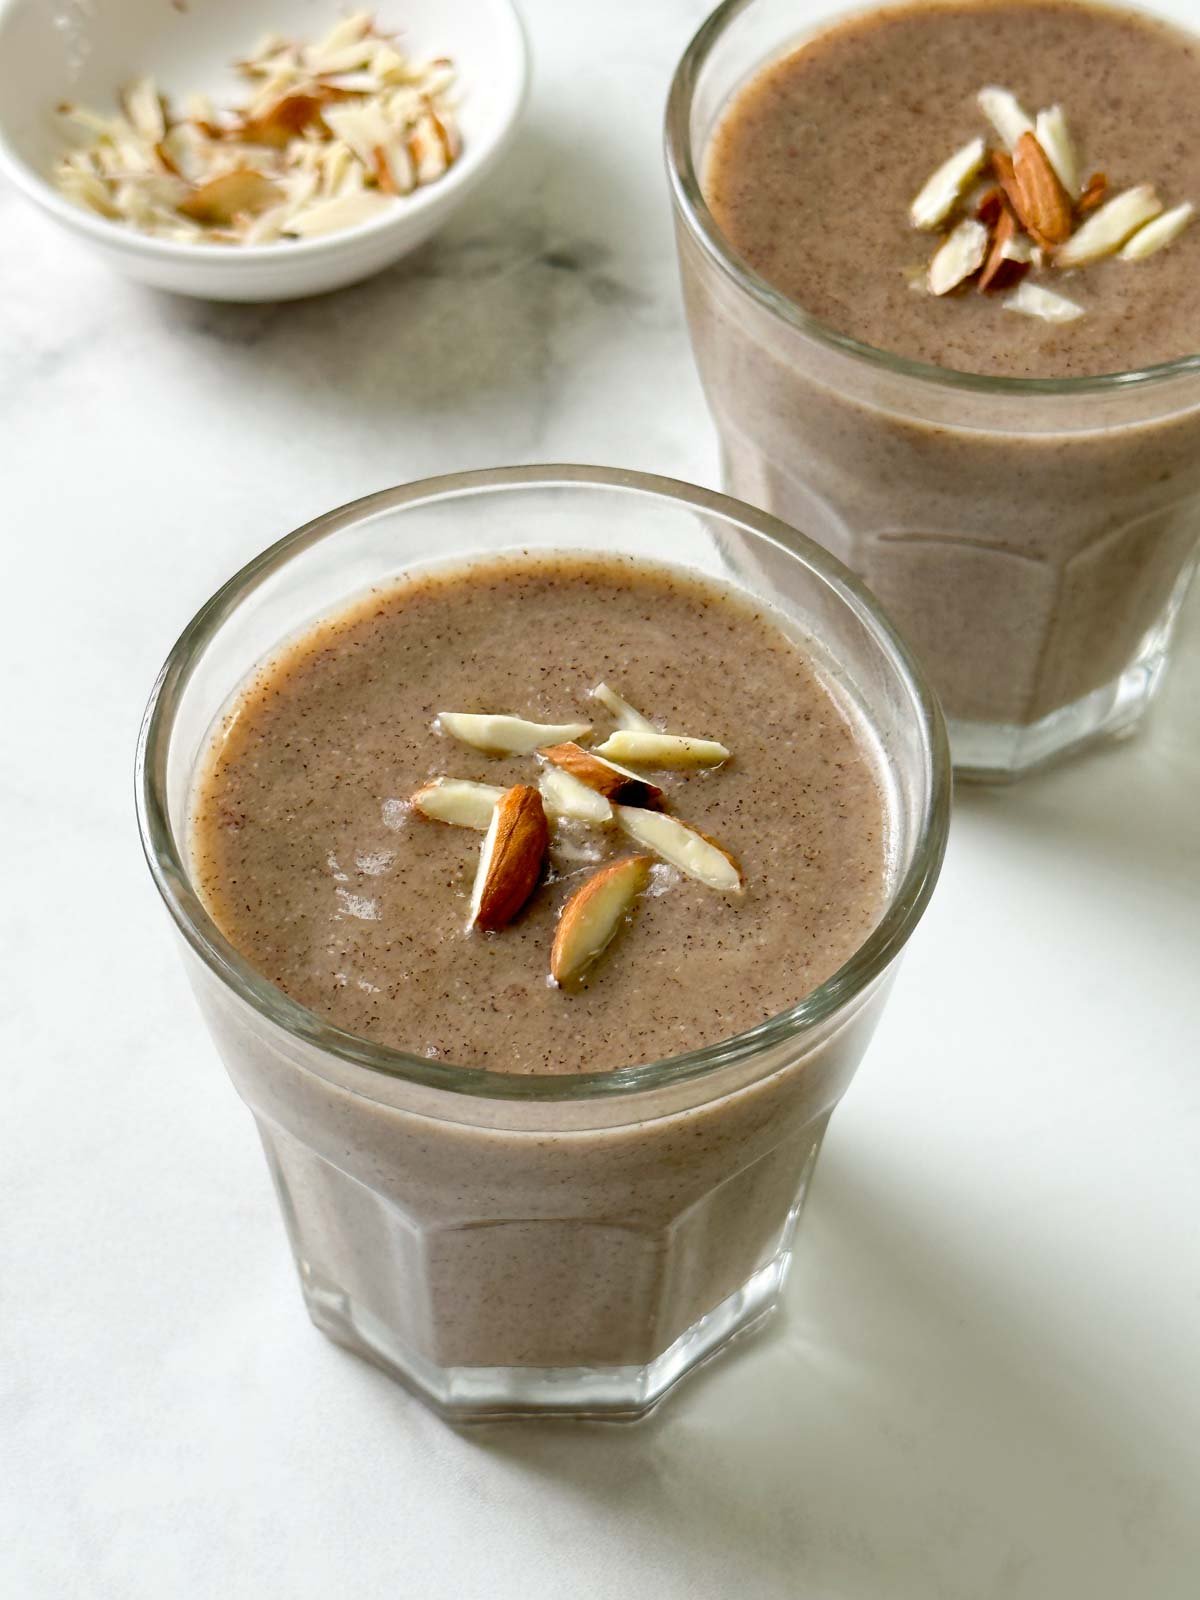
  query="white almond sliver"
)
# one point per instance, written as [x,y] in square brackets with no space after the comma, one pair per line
[563,795]
[947,186]
[459,802]
[623,713]
[343,211]
[1106,230]
[1033,301]
[508,736]
[1005,113]
[684,847]
[1155,235]
[673,751]
[1055,139]
[144,109]
[961,254]
[363,127]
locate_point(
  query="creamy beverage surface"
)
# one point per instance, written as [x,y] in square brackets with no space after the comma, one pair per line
[329,883]
[814,165]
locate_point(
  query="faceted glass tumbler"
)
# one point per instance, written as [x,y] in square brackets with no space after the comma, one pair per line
[1032,539]
[509,1245]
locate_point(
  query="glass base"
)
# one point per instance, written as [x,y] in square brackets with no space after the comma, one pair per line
[491,1394]
[986,752]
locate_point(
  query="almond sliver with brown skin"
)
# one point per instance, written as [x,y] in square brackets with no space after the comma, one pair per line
[622,712]
[458,801]
[593,914]
[1106,230]
[1033,301]
[1043,205]
[607,779]
[233,194]
[1005,113]
[943,190]
[674,752]
[563,795]
[503,735]
[1156,235]
[694,853]
[958,258]
[510,858]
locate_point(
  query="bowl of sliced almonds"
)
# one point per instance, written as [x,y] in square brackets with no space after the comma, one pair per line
[253,151]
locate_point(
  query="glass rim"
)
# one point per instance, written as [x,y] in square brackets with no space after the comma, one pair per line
[689,198]
[172,878]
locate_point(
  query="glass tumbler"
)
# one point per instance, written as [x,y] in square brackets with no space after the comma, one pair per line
[1032,539]
[510,1245]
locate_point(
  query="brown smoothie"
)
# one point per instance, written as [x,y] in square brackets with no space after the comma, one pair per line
[511,1237]
[1033,547]
[811,173]
[323,876]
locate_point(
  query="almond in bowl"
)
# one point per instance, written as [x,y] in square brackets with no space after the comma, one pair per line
[259,151]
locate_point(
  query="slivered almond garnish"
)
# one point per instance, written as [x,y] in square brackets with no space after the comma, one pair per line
[942,192]
[507,736]
[593,914]
[605,777]
[233,194]
[458,801]
[694,853]
[563,795]
[1106,230]
[622,712]
[510,858]
[1044,206]
[991,204]
[674,752]
[344,127]
[1094,191]
[1033,301]
[1008,255]
[1054,137]
[1156,235]
[959,257]
[1005,113]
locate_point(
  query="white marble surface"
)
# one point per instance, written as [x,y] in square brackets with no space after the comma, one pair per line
[988,1380]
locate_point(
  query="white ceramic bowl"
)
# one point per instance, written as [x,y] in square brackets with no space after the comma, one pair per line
[85,50]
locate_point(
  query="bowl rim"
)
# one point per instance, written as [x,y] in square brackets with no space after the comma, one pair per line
[454,184]
[824,1005]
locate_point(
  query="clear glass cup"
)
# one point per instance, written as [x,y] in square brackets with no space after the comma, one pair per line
[510,1245]
[1032,539]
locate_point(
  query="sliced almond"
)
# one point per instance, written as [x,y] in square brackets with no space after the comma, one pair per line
[1159,233]
[674,752]
[1005,113]
[622,712]
[563,795]
[510,858]
[1054,136]
[234,194]
[1043,205]
[593,914]
[458,801]
[1008,255]
[943,190]
[1033,301]
[991,204]
[958,258]
[284,120]
[1107,229]
[1094,191]
[342,211]
[507,736]
[604,777]
[694,853]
